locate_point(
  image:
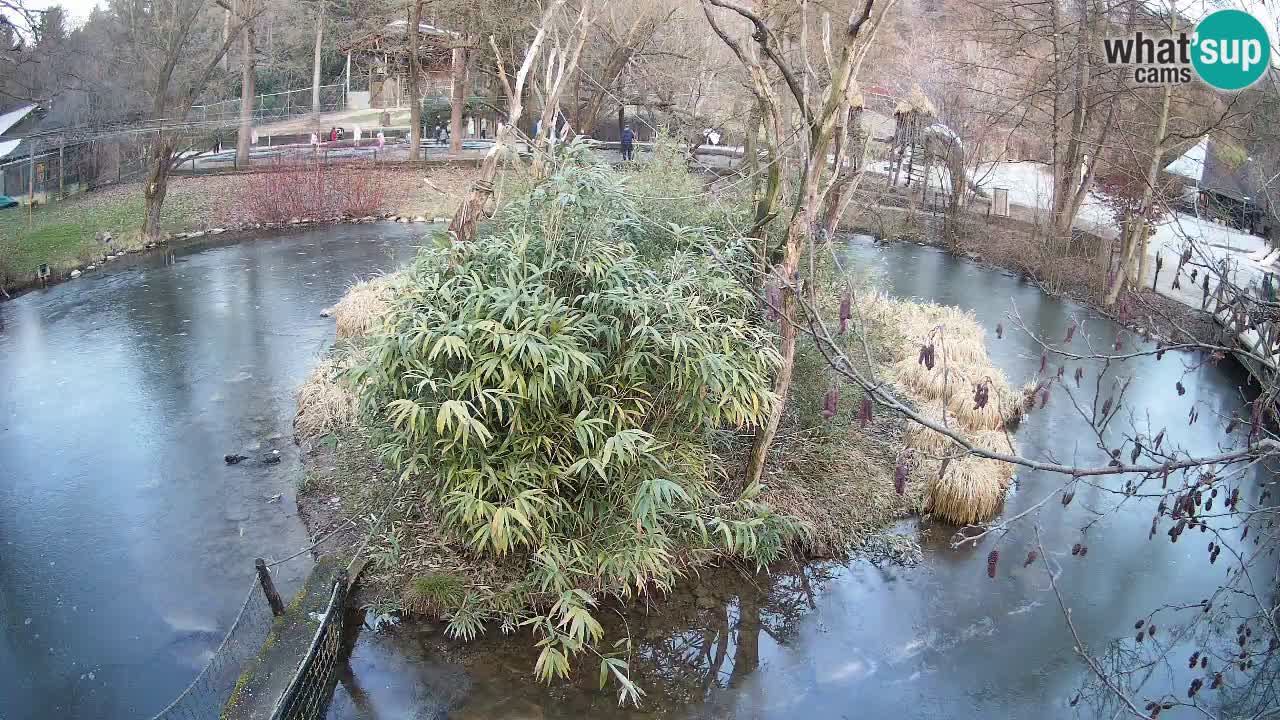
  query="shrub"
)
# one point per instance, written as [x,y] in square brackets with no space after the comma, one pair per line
[313,190]
[559,398]
[659,209]
[435,592]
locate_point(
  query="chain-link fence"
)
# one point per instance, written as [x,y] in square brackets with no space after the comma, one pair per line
[210,691]
[273,106]
[309,693]
[204,698]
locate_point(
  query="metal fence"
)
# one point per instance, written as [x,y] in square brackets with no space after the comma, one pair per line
[205,697]
[209,692]
[274,106]
[309,693]
[56,169]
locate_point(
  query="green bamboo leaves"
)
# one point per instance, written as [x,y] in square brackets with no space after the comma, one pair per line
[558,396]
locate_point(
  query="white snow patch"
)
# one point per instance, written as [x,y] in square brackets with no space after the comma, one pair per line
[1191,163]
[12,117]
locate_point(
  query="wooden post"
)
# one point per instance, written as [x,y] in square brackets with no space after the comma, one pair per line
[62,175]
[269,587]
[31,172]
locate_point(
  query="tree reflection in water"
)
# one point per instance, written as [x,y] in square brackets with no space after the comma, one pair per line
[708,636]
[685,648]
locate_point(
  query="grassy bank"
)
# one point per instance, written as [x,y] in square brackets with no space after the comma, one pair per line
[65,235]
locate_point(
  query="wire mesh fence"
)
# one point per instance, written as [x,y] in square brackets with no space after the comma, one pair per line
[205,696]
[274,106]
[309,693]
[212,688]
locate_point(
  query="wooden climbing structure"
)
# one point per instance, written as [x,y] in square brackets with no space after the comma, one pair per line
[911,117]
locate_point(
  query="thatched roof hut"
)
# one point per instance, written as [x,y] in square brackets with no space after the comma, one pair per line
[917,104]
[856,101]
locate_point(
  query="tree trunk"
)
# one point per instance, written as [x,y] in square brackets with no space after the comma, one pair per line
[1136,236]
[587,117]
[636,37]
[415,71]
[841,194]
[157,186]
[226,30]
[746,649]
[248,65]
[457,99]
[797,231]
[315,69]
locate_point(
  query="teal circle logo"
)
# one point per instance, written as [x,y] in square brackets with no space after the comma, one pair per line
[1232,49]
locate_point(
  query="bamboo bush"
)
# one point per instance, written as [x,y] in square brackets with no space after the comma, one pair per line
[558,398]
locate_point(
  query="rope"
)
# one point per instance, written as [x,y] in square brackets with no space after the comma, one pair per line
[312,546]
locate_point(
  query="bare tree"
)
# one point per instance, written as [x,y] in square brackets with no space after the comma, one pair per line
[173,46]
[246,12]
[819,115]
[646,19]
[561,63]
[415,75]
[463,226]
[315,65]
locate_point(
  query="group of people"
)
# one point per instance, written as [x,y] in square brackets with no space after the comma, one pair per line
[337,133]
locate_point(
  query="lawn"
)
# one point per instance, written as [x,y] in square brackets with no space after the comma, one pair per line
[64,234]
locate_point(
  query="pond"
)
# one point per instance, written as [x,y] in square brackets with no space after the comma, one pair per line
[937,640]
[126,543]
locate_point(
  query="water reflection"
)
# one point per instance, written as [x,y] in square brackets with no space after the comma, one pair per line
[830,641]
[125,543]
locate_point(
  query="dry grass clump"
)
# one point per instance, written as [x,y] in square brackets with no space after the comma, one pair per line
[964,489]
[840,484]
[961,341]
[363,307]
[970,490]
[916,102]
[325,404]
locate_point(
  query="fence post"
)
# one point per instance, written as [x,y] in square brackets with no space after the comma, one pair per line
[269,587]
[31,172]
[62,146]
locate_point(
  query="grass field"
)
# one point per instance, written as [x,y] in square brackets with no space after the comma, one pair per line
[64,234]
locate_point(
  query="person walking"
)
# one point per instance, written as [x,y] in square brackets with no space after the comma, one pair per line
[628,143]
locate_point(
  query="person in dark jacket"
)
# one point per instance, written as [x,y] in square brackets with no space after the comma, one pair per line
[628,142]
